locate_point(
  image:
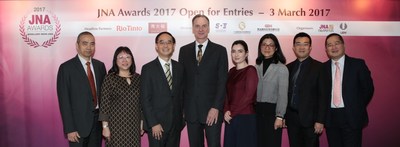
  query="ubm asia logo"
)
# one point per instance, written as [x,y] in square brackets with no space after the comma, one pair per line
[40,28]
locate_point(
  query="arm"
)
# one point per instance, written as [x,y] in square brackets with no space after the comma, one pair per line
[146,98]
[64,99]
[366,83]
[281,104]
[105,104]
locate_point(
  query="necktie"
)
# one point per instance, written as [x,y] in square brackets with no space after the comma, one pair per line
[294,86]
[168,75]
[199,54]
[337,86]
[91,82]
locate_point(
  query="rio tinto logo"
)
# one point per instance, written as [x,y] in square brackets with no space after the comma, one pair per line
[40,28]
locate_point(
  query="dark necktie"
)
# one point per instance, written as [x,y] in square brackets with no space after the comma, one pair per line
[295,96]
[199,54]
[168,75]
[91,82]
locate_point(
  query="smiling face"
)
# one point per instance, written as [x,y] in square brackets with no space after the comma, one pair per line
[268,48]
[302,48]
[238,54]
[165,46]
[86,46]
[200,29]
[334,48]
[124,61]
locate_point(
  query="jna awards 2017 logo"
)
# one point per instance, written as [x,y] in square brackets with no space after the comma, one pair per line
[40,28]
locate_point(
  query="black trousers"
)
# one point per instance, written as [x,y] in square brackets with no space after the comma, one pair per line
[94,138]
[196,134]
[267,136]
[241,132]
[340,133]
[299,135]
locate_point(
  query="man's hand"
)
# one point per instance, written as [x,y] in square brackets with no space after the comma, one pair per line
[318,128]
[157,131]
[212,117]
[73,136]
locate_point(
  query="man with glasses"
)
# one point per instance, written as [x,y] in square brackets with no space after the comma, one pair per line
[349,90]
[305,115]
[161,95]
[206,67]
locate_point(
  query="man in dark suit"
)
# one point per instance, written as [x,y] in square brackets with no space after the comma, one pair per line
[79,96]
[350,89]
[206,66]
[305,116]
[162,95]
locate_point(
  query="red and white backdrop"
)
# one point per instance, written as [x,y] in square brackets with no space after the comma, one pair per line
[37,36]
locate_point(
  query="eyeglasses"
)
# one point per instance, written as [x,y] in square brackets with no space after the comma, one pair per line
[169,42]
[268,45]
[330,45]
[124,57]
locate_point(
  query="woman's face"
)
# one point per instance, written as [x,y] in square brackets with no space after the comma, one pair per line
[238,54]
[124,61]
[268,48]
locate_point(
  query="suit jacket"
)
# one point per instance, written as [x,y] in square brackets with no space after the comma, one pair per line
[204,84]
[160,104]
[273,86]
[75,97]
[357,91]
[311,105]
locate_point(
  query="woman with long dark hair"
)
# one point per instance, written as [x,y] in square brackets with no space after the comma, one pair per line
[272,91]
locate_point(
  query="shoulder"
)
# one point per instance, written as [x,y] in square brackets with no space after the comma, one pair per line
[216,46]
[354,60]
[189,45]
[281,67]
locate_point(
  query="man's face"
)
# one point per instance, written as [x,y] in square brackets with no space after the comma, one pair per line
[200,28]
[86,46]
[165,46]
[334,48]
[302,48]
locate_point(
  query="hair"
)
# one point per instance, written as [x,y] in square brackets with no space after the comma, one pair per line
[244,44]
[278,54]
[301,34]
[333,34]
[198,16]
[159,34]
[114,68]
[81,34]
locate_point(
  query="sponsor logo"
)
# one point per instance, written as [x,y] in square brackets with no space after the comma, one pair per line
[157,27]
[343,27]
[40,28]
[242,27]
[326,28]
[221,27]
[268,28]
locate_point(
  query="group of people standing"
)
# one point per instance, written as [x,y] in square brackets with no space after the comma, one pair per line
[255,102]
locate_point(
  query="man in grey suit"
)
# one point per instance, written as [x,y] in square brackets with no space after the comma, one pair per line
[349,90]
[206,66]
[161,95]
[78,96]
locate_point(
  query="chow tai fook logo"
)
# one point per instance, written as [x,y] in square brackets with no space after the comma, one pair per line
[157,27]
[41,28]
[268,28]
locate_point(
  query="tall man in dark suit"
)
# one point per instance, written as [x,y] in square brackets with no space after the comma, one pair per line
[206,66]
[350,89]
[305,115]
[79,96]
[162,95]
